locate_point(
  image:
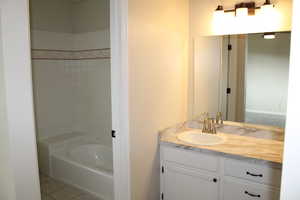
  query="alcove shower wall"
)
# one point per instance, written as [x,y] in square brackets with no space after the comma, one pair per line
[71,70]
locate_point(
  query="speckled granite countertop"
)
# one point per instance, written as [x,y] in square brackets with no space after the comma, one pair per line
[259,143]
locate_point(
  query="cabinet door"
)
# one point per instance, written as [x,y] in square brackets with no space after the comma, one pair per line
[180,183]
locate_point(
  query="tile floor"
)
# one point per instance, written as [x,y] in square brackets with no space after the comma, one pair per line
[55,190]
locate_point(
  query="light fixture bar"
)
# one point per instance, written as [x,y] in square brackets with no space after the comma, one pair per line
[246,5]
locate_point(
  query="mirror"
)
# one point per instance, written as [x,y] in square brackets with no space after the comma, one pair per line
[243,76]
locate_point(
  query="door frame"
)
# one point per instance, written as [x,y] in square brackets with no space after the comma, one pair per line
[15,34]
[291,162]
[120,98]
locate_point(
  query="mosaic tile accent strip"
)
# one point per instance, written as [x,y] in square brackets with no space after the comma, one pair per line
[89,54]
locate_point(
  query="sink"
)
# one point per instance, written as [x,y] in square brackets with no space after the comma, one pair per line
[199,138]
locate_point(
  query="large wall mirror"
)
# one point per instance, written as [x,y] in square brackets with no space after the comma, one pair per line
[243,76]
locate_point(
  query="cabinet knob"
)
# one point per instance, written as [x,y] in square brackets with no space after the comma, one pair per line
[215,180]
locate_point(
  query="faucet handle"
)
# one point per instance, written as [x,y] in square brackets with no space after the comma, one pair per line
[204,116]
[205,125]
[212,127]
[201,118]
[219,118]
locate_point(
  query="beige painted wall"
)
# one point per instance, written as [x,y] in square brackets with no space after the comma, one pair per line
[207,75]
[158,39]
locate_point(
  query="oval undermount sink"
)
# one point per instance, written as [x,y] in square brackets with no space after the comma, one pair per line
[199,138]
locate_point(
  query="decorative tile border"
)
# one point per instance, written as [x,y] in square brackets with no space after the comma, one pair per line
[89,54]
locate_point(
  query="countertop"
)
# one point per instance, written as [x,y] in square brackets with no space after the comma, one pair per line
[259,143]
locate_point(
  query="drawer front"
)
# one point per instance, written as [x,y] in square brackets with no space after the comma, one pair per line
[253,172]
[191,158]
[242,191]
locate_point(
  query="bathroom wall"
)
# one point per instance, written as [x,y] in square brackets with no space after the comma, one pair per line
[53,85]
[53,16]
[85,12]
[71,95]
[267,76]
[157,32]
[6,173]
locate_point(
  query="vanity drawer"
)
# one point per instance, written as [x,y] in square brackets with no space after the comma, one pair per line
[234,190]
[190,158]
[253,172]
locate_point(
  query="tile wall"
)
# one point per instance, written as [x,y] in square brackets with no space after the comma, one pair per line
[71,74]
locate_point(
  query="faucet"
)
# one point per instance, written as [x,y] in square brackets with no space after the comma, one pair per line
[219,118]
[209,126]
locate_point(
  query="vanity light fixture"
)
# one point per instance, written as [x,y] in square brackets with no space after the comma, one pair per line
[245,9]
[269,36]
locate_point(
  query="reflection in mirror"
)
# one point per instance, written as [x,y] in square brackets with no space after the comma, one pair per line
[243,76]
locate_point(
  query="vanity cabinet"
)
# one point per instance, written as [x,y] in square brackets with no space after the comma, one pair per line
[192,175]
[181,183]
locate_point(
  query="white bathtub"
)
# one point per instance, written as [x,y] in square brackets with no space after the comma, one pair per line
[85,164]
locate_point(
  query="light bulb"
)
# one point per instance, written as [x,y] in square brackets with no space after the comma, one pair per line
[241,12]
[269,36]
[267,9]
[219,13]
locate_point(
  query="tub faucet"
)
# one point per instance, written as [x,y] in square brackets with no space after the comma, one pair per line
[209,126]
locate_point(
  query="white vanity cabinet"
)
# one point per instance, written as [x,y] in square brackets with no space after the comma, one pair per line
[192,175]
[181,183]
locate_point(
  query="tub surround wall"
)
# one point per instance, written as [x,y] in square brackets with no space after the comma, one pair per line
[267,69]
[70,16]
[85,12]
[71,67]
[72,83]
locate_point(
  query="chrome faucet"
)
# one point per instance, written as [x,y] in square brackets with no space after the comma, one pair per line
[209,126]
[219,118]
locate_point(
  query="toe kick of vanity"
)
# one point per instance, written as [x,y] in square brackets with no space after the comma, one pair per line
[197,175]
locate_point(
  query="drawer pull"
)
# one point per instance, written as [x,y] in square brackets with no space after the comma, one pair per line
[252,195]
[256,175]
